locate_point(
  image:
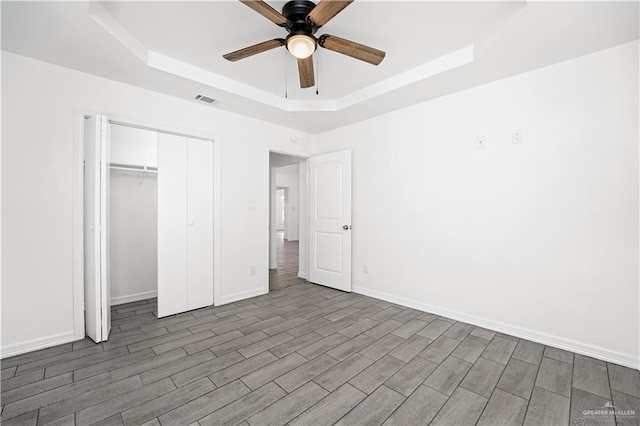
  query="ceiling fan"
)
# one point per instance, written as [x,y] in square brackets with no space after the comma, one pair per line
[301,19]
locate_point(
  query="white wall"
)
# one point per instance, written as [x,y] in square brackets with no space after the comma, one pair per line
[280,209]
[41,107]
[538,239]
[132,146]
[287,177]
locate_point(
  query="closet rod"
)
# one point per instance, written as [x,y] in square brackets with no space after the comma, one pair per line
[166,132]
[127,168]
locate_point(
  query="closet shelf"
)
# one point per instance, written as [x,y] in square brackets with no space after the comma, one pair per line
[128,168]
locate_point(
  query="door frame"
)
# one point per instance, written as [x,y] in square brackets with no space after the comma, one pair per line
[302,245]
[77,203]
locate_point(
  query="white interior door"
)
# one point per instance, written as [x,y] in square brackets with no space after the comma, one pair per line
[97,303]
[200,226]
[172,224]
[330,220]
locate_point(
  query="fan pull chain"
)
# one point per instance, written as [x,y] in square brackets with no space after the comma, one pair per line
[286,83]
[317,76]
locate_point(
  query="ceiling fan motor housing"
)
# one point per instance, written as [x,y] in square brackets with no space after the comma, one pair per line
[296,12]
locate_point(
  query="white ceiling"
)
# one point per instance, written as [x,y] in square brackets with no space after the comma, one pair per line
[433,48]
[199,33]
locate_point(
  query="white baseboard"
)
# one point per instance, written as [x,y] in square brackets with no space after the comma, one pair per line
[302,275]
[273,266]
[35,344]
[133,297]
[241,296]
[523,333]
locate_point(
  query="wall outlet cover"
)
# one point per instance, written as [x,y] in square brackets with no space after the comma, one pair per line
[516,136]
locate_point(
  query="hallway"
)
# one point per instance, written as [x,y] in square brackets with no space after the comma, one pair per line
[287,273]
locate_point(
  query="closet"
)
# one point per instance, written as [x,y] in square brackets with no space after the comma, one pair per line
[148,221]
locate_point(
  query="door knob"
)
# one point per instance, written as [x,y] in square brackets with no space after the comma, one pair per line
[346,227]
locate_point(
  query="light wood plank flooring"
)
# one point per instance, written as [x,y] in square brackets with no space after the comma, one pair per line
[309,355]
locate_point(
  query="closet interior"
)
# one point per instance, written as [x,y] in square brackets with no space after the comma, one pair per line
[133,210]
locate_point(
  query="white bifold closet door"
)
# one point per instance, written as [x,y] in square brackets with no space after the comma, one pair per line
[96,229]
[200,223]
[185,224]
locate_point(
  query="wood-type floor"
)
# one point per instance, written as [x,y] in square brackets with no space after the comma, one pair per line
[310,355]
[286,274]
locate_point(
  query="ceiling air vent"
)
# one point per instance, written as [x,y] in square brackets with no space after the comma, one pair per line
[206,99]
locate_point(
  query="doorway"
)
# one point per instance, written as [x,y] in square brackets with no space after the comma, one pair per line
[316,214]
[287,197]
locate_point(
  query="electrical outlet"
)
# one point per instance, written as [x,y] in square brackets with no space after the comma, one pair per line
[516,136]
[365,268]
[252,270]
[481,142]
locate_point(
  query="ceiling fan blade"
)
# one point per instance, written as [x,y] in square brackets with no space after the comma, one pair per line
[305,69]
[253,50]
[326,10]
[351,48]
[267,11]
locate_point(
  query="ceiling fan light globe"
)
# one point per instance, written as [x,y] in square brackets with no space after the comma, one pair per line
[301,46]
